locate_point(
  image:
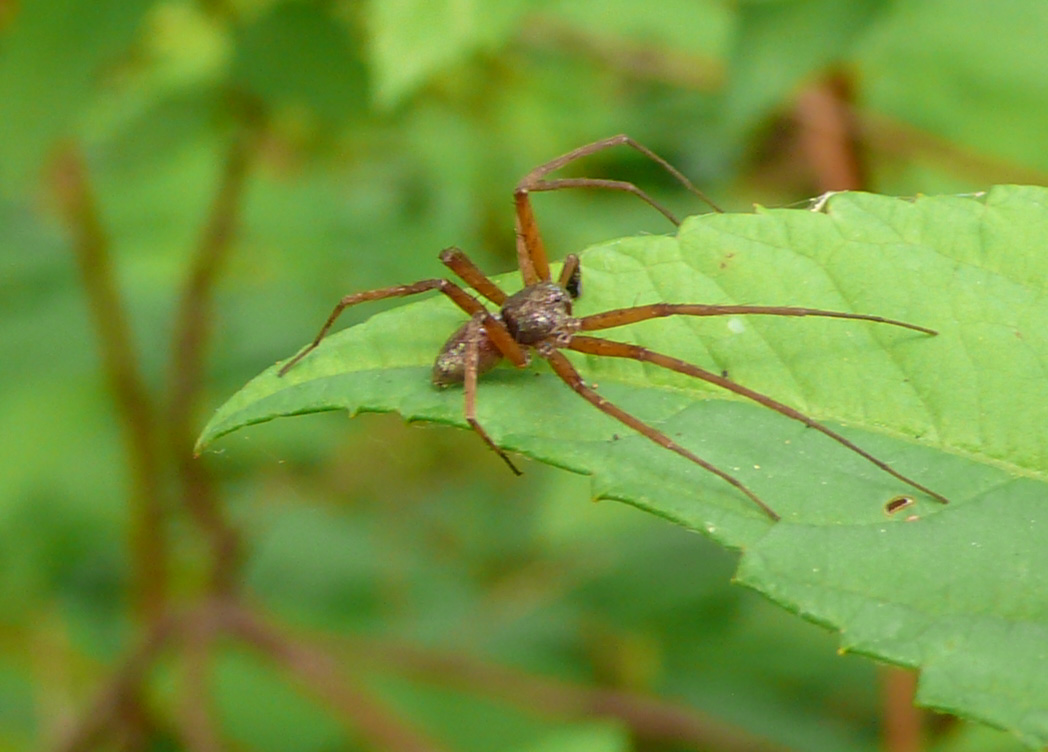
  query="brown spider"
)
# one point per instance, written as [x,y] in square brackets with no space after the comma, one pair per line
[539,319]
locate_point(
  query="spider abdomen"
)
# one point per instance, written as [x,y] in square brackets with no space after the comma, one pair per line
[450,365]
[538,312]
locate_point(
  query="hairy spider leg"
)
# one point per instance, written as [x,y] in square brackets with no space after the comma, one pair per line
[474,332]
[623,316]
[563,368]
[609,348]
[531,251]
[468,272]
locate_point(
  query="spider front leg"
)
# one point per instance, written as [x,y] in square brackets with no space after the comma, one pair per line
[461,298]
[531,251]
[456,261]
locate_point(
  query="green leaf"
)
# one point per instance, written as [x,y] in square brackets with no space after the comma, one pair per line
[587,737]
[298,54]
[778,44]
[940,66]
[960,592]
[49,67]
[411,40]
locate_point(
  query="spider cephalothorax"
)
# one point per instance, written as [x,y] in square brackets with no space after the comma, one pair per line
[539,312]
[539,319]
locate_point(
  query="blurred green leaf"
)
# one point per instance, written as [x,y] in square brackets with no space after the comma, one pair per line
[50,65]
[465,721]
[778,44]
[414,40]
[961,412]
[941,66]
[259,710]
[592,737]
[699,28]
[300,55]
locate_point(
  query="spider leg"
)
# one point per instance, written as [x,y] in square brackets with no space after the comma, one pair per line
[623,316]
[466,270]
[531,251]
[595,346]
[474,332]
[534,179]
[460,297]
[563,368]
[611,185]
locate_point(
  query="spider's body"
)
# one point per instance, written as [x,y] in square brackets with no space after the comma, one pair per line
[539,312]
[539,319]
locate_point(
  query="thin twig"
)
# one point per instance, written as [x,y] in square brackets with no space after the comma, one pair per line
[321,676]
[120,363]
[192,332]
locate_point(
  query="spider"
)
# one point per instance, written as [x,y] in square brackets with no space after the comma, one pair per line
[538,319]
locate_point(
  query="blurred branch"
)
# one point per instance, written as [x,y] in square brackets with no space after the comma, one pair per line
[195,719]
[648,718]
[107,712]
[828,135]
[193,323]
[138,419]
[901,139]
[8,11]
[903,721]
[832,129]
[319,673]
[643,62]
[222,10]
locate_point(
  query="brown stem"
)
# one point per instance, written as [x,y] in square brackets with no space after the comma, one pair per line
[192,332]
[195,718]
[903,722]
[120,363]
[107,711]
[320,675]
[828,136]
[650,719]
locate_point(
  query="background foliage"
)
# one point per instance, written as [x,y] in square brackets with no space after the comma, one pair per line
[353,141]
